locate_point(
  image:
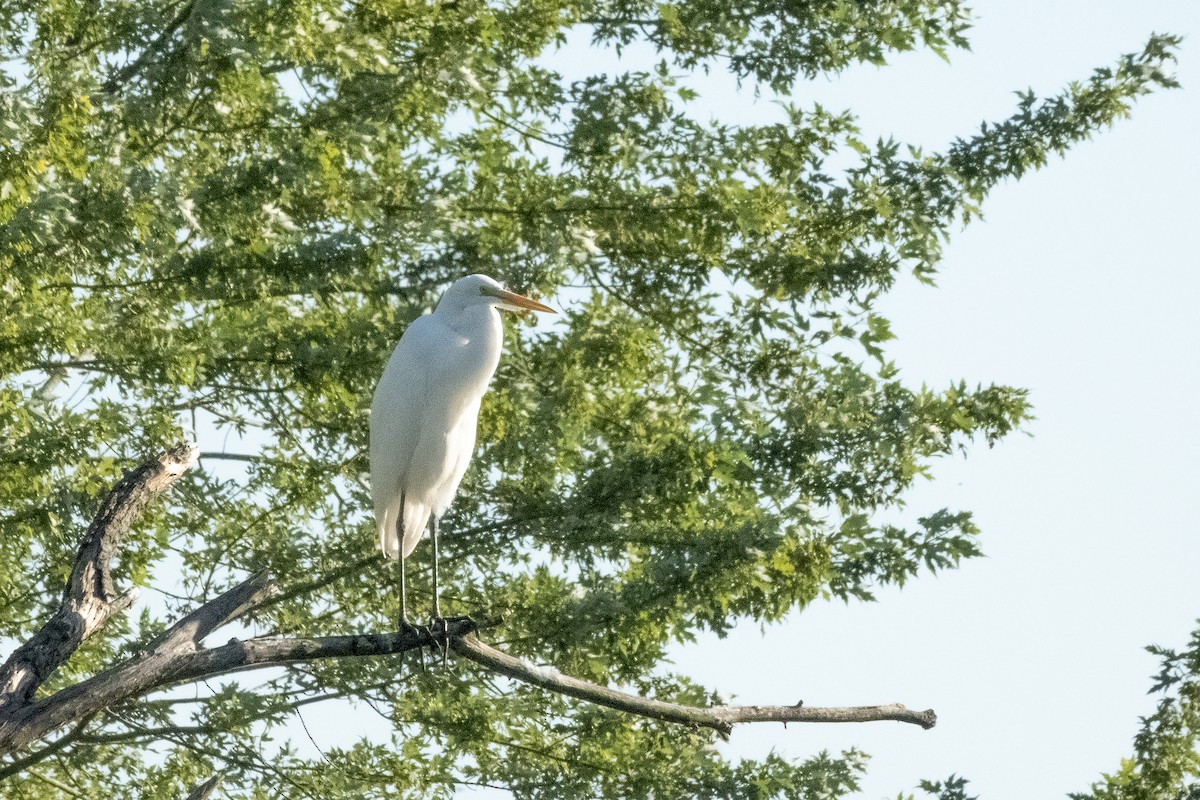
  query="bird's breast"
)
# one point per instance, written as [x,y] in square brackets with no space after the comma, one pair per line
[463,373]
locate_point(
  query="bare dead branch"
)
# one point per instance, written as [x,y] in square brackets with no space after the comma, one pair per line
[241,655]
[231,457]
[180,656]
[719,718]
[90,599]
[186,634]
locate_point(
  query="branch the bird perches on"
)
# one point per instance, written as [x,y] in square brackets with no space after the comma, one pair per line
[179,656]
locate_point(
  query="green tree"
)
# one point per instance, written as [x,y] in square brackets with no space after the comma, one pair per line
[216,217]
[1166,760]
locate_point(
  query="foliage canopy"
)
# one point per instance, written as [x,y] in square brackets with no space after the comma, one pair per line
[217,215]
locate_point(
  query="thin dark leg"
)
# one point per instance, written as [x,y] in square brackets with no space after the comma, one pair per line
[437,604]
[405,625]
[438,620]
[403,592]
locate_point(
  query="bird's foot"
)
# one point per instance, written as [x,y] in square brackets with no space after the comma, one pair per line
[411,631]
[439,628]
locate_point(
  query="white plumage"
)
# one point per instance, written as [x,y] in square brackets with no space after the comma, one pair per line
[426,405]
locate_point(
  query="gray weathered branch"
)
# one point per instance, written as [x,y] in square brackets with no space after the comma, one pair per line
[179,655]
[719,718]
[90,599]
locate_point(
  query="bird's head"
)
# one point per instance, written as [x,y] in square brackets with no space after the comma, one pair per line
[480,290]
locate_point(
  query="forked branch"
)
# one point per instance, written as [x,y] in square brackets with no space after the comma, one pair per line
[180,656]
[90,599]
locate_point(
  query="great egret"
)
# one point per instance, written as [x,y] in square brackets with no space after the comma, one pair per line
[424,413]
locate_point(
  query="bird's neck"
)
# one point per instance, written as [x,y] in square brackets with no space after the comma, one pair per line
[482,335]
[478,325]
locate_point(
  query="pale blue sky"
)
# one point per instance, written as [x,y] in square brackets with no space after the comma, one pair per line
[1080,284]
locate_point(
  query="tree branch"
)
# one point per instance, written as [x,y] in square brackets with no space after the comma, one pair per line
[57,784]
[719,718]
[186,634]
[90,598]
[178,655]
[231,457]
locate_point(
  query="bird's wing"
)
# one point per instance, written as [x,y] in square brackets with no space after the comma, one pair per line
[460,444]
[398,411]
[458,376]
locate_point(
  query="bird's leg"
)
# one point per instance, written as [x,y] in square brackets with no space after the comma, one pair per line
[400,545]
[405,625]
[403,604]
[437,605]
[438,621]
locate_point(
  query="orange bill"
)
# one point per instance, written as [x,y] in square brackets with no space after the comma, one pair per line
[514,299]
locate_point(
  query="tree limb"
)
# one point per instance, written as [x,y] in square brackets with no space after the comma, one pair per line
[57,784]
[719,718]
[178,655]
[90,599]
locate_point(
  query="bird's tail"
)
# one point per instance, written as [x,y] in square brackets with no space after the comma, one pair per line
[403,525]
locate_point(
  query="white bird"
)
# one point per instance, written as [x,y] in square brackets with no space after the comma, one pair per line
[425,409]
